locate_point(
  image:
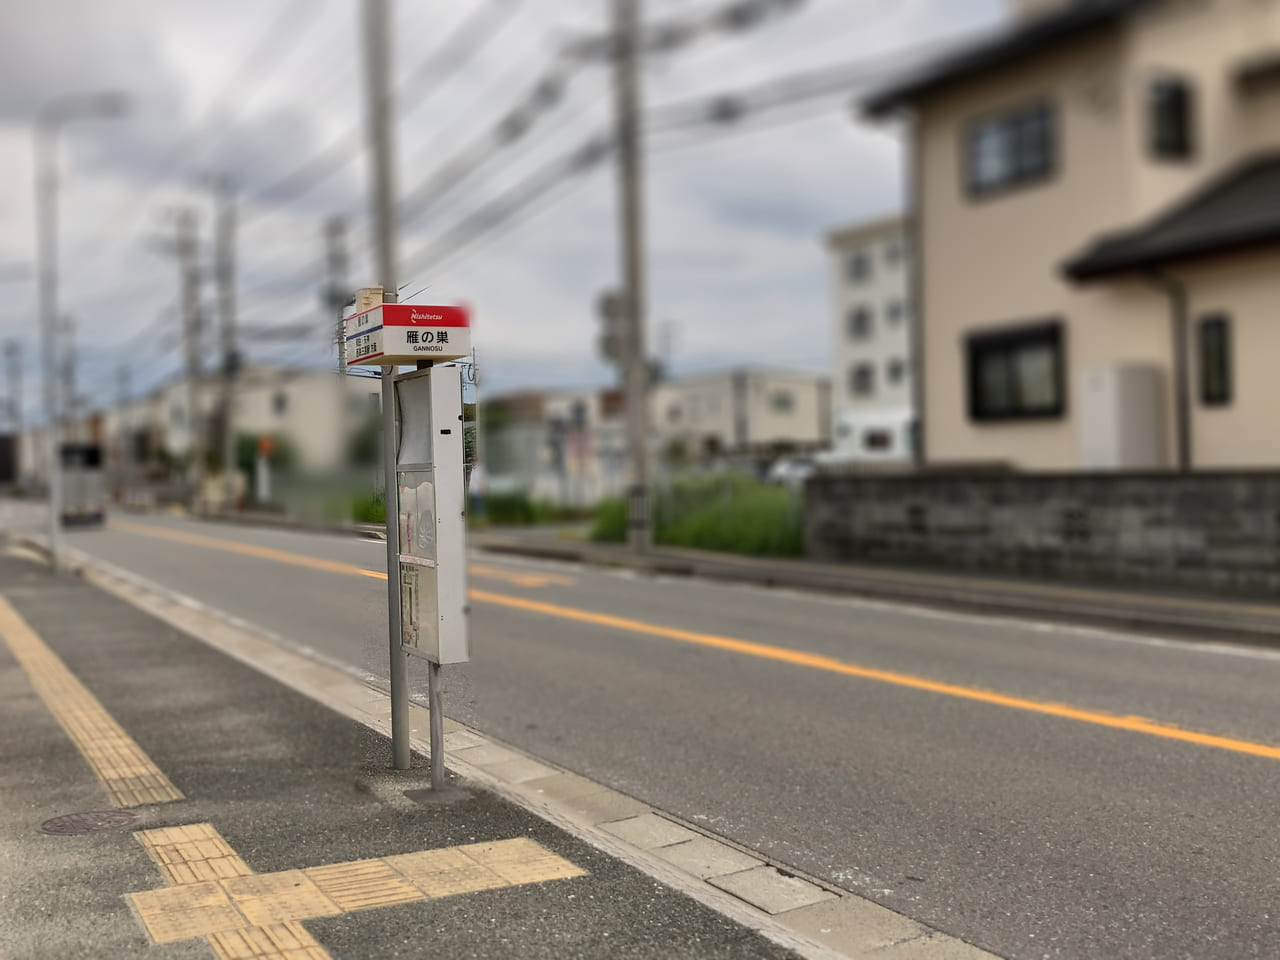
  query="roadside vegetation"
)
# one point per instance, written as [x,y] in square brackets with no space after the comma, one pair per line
[729,513]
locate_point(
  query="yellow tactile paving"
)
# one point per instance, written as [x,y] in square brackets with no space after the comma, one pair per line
[276,941]
[363,885]
[447,872]
[278,897]
[127,773]
[192,853]
[186,911]
[255,916]
[521,861]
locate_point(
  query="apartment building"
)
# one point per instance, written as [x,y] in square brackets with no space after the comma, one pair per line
[752,414]
[566,446]
[571,446]
[1096,227]
[871,391]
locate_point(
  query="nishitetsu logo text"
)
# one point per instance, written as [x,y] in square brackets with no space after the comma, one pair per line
[415,316]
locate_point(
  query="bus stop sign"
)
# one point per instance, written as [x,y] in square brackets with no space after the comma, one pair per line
[392,334]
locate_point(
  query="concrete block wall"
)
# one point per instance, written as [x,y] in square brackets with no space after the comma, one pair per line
[1214,532]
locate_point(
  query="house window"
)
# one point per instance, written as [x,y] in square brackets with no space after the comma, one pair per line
[895,313]
[893,253]
[858,266]
[862,380]
[896,370]
[1171,119]
[859,323]
[280,403]
[1011,149]
[673,413]
[1016,374]
[782,401]
[1215,360]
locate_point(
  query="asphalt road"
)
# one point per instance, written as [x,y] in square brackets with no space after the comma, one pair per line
[1017,785]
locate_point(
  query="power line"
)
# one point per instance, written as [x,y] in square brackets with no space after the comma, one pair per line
[548,89]
[265,54]
[461,44]
[717,115]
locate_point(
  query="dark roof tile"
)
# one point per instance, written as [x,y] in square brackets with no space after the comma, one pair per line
[1238,209]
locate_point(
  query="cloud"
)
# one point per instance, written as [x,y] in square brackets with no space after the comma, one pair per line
[734,224]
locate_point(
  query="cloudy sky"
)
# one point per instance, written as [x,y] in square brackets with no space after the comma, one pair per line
[268,93]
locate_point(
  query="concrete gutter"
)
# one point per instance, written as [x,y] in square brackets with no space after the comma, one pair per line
[1201,618]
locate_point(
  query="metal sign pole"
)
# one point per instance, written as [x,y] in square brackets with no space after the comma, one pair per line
[399,659]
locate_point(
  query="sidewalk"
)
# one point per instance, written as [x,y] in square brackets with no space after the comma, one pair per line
[1218,618]
[164,796]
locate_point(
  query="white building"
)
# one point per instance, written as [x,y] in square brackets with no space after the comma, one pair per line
[872,390]
[755,414]
[565,446]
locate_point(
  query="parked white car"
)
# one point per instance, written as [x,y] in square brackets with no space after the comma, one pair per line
[791,471]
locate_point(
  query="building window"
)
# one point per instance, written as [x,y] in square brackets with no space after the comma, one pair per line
[1016,374]
[673,413]
[1171,119]
[896,370]
[895,313]
[280,403]
[782,401]
[1215,360]
[1011,149]
[858,266]
[859,323]
[862,380]
[893,253]
[877,441]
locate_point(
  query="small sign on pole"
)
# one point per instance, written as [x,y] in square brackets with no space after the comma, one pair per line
[402,333]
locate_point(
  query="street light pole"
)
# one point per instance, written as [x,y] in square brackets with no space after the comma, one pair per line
[48,124]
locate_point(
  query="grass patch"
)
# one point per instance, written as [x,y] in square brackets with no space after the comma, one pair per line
[732,514]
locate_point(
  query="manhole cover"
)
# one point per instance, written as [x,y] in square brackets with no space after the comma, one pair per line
[92,821]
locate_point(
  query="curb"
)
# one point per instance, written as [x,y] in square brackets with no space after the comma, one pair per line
[798,912]
[993,598]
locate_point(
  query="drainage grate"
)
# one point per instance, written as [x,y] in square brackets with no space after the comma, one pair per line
[91,821]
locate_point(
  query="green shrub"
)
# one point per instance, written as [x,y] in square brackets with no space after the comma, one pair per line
[370,509]
[610,525]
[728,513]
[508,509]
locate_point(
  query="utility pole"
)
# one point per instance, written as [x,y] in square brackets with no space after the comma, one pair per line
[626,75]
[382,155]
[225,274]
[70,402]
[123,396]
[192,324]
[336,296]
[49,123]
[13,376]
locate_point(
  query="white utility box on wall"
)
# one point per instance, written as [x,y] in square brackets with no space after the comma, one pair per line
[429,473]
[1122,424]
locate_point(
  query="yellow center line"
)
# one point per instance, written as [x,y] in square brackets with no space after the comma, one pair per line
[765,651]
[248,550]
[328,566]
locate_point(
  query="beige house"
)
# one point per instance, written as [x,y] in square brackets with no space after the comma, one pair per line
[755,413]
[1097,203]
